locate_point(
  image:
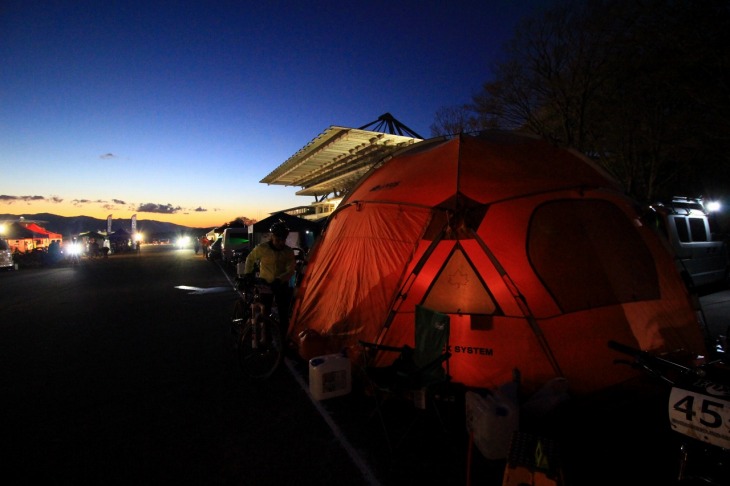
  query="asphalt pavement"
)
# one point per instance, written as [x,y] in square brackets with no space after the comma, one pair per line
[716,310]
[120,372]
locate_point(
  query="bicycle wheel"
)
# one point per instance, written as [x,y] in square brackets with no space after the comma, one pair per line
[241,313]
[260,362]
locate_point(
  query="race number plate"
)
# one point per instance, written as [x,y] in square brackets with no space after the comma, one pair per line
[702,416]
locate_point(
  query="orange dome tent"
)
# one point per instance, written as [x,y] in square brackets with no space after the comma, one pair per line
[534,252]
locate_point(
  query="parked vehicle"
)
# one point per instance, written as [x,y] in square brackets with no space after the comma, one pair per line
[6,256]
[214,252]
[233,239]
[691,232]
[238,259]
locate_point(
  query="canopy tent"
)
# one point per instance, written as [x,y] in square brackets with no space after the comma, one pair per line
[120,234]
[16,231]
[535,254]
[19,237]
[27,236]
[44,233]
[303,231]
[92,234]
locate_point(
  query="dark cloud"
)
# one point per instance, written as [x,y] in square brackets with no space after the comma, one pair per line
[105,204]
[158,208]
[113,205]
[108,156]
[12,199]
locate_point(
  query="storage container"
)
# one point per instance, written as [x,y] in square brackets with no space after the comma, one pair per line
[330,376]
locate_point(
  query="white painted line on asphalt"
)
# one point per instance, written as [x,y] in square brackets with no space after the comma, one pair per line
[354,456]
[225,274]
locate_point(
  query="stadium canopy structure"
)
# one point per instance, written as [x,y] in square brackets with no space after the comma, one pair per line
[334,161]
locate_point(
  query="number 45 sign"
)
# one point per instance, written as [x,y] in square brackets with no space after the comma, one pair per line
[705,417]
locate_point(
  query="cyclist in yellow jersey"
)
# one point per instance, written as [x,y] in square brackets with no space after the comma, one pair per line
[276,266]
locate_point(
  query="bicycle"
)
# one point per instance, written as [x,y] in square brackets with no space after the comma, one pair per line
[698,408]
[257,338]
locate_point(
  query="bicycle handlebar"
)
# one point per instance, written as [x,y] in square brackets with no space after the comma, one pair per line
[655,364]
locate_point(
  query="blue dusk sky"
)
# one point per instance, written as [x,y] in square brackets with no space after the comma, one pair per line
[175,110]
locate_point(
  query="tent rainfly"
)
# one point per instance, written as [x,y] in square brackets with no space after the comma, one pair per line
[533,251]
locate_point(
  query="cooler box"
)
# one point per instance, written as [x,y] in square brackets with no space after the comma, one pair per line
[329,376]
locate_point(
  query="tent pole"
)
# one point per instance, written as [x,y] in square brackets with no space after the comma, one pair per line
[403,291]
[522,303]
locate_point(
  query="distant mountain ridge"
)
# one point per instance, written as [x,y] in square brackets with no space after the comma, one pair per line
[73,225]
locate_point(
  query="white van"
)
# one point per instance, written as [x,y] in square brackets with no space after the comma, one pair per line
[233,239]
[692,236]
[6,256]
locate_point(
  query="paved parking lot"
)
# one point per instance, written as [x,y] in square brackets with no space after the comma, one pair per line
[716,310]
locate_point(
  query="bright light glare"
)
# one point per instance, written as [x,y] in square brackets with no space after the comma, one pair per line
[183,241]
[138,237]
[713,206]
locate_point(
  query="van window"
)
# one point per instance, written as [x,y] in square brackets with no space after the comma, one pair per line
[4,245]
[696,231]
[682,231]
[697,228]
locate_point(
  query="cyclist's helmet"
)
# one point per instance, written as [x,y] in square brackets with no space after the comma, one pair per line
[279,229]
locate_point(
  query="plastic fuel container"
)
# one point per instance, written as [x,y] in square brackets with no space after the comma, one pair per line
[329,376]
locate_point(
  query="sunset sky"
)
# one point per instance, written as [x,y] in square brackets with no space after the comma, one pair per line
[175,110]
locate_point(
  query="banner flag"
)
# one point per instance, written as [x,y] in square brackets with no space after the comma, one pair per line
[134,225]
[109,224]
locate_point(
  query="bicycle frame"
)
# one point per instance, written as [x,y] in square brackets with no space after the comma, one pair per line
[258,341]
[258,309]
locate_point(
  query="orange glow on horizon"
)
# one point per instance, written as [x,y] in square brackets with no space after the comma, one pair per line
[202,219]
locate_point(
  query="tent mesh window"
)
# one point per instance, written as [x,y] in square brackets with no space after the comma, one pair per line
[588,254]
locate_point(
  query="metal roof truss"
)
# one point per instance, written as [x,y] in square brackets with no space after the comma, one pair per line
[335,160]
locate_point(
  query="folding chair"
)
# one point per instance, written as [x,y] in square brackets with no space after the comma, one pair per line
[416,373]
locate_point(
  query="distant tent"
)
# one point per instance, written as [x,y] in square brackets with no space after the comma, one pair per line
[120,240]
[120,234]
[534,252]
[92,234]
[295,224]
[19,237]
[16,231]
[44,233]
